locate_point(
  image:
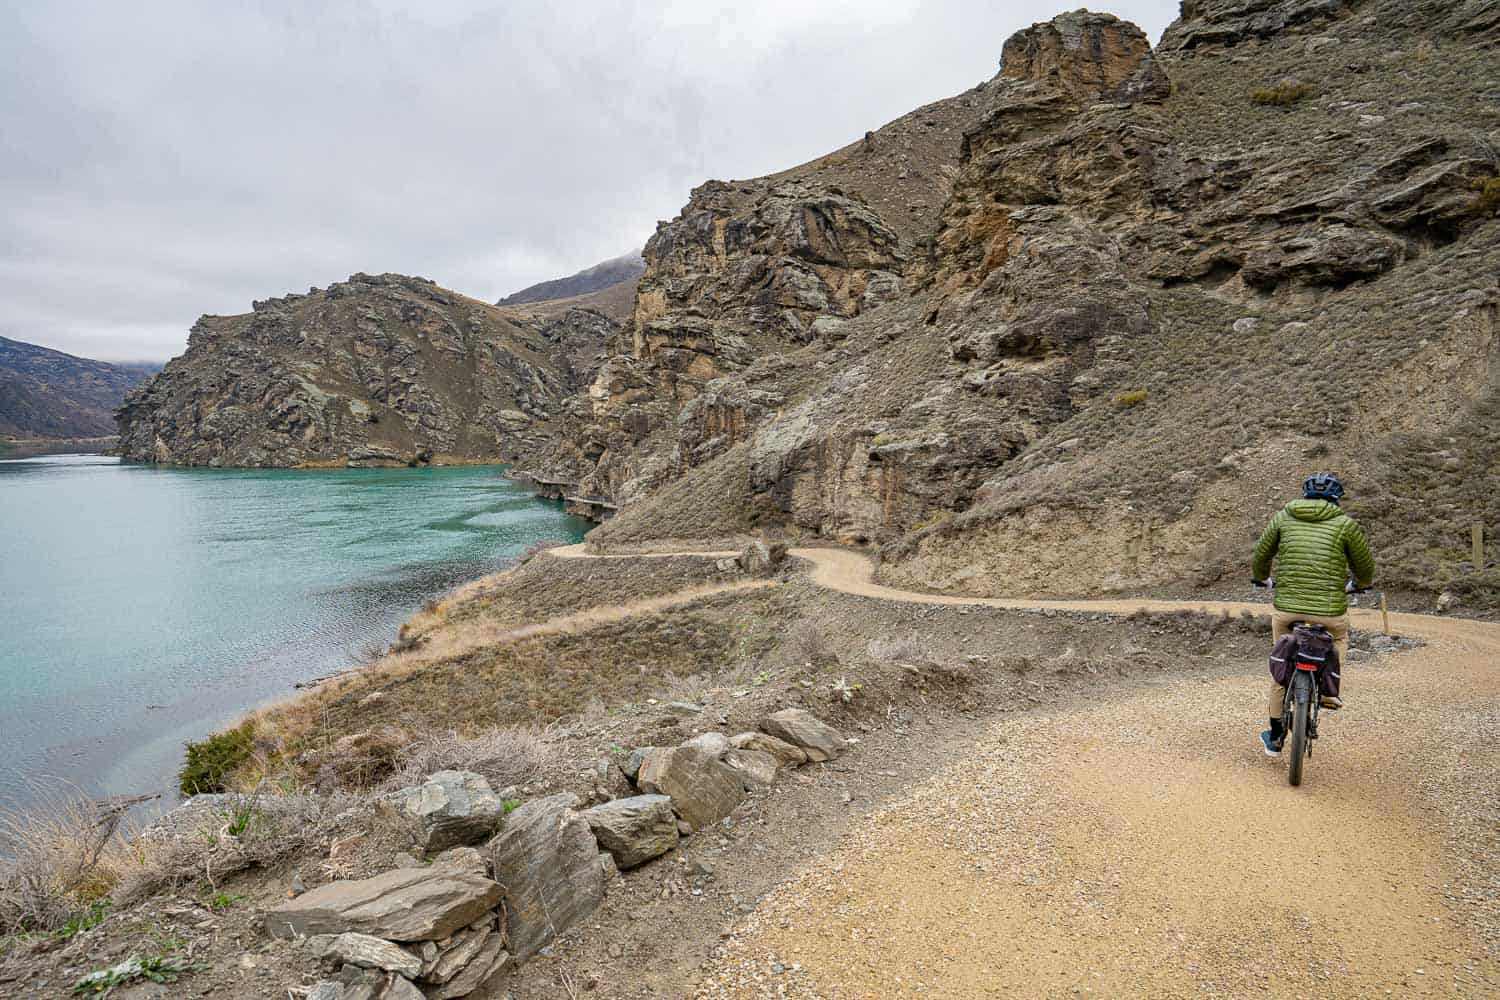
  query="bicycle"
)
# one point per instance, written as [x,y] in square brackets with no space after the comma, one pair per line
[1302,700]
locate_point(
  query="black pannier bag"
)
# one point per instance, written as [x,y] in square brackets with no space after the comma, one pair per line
[1282,655]
[1309,644]
[1315,645]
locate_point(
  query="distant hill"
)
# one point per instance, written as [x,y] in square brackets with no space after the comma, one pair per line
[619,271]
[49,394]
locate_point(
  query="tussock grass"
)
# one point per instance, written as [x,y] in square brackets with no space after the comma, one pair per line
[806,642]
[505,757]
[59,859]
[1283,94]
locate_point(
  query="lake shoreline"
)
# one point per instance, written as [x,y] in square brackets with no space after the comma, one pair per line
[154,605]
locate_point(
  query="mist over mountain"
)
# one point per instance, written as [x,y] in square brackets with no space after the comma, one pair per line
[46,393]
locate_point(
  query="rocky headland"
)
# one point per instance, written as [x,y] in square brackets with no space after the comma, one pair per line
[376,370]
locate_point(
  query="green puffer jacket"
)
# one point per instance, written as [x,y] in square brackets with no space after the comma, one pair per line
[1316,546]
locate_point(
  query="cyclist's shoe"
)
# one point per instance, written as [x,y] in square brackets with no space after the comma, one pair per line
[1331,702]
[1270,746]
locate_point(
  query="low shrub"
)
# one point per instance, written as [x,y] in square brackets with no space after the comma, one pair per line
[806,643]
[904,649]
[1488,202]
[1283,94]
[1135,397]
[211,760]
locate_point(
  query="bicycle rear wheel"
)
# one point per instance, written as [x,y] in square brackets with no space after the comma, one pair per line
[1301,700]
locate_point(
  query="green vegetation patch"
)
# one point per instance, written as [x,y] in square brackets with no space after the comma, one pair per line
[210,761]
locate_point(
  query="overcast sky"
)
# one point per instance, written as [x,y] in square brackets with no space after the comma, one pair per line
[160,160]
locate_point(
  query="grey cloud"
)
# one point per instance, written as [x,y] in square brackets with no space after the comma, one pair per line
[159,160]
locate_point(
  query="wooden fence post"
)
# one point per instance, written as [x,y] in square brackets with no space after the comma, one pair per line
[1385,615]
[1477,536]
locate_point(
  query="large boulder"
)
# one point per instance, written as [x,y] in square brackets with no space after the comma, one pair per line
[451,809]
[802,729]
[702,787]
[406,904]
[548,860]
[760,559]
[636,829]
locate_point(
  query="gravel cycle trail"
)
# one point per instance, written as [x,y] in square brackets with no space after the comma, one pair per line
[1146,846]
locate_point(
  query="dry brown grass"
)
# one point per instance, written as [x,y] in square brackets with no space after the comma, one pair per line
[1283,94]
[57,858]
[505,757]
[233,833]
[529,677]
[66,855]
[806,642]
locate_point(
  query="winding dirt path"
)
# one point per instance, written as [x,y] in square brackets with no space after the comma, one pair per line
[1145,847]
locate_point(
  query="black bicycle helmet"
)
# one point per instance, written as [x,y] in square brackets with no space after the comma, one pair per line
[1323,486]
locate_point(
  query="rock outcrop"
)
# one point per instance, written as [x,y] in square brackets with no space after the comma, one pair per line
[376,370]
[1122,263]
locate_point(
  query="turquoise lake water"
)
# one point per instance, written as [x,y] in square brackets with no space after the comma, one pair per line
[140,607]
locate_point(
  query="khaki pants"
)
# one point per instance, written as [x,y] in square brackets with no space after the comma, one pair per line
[1281,624]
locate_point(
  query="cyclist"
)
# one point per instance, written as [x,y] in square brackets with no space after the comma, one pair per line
[1317,547]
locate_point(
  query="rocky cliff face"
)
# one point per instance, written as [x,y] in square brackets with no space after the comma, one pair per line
[1138,295]
[377,370]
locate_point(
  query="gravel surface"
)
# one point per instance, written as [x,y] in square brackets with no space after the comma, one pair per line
[1147,847]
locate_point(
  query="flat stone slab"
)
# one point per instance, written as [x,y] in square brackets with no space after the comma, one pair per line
[365,951]
[756,768]
[802,729]
[548,861]
[406,904]
[636,829]
[783,751]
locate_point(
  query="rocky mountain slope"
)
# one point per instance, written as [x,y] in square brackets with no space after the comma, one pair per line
[49,394]
[1085,326]
[624,270]
[376,370]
